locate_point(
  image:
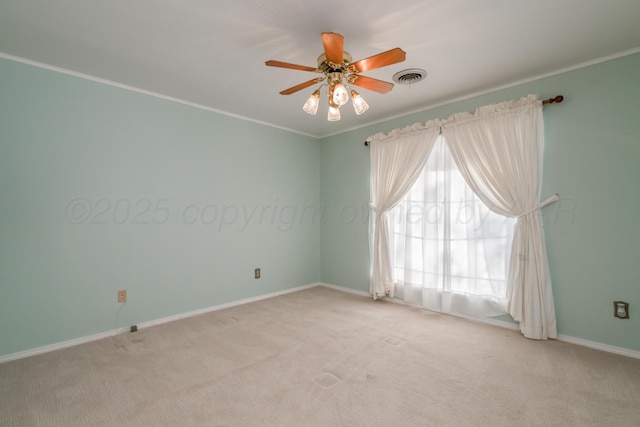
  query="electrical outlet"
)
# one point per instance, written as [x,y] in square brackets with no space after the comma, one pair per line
[257,273]
[122,295]
[621,309]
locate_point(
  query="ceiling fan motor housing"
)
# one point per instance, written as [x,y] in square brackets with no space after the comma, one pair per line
[325,66]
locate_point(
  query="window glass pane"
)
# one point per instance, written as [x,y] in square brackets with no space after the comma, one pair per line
[445,238]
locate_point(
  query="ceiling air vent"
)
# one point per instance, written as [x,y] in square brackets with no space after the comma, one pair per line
[410,76]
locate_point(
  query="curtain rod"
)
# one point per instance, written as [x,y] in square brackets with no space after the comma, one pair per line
[558,98]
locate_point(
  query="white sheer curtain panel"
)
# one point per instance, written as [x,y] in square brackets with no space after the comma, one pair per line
[450,252]
[396,163]
[498,151]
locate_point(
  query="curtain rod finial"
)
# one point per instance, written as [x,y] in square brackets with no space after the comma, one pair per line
[558,98]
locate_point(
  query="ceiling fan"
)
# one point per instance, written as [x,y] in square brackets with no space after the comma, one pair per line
[337,69]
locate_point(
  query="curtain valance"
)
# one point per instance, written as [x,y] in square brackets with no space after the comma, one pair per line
[503,107]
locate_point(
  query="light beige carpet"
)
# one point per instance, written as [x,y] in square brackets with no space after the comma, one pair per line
[321,357]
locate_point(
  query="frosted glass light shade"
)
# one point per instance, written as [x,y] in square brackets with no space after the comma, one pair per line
[334,114]
[311,106]
[359,104]
[340,95]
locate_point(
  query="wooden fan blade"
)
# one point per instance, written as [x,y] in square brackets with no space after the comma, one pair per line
[272,63]
[369,83]
[333,47]
[301,86]
[383,59]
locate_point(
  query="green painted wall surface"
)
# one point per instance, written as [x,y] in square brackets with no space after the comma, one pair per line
[592,159]
[104,189]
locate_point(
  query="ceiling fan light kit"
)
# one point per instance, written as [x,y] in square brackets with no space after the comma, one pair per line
[339,72]
[334,113]
[311,106]
[359,104]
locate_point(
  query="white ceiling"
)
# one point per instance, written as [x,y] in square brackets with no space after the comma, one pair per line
[213,53]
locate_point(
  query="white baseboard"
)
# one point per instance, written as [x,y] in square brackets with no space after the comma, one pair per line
[565,338]
[343,289]
[223,306]
[61,345]
[77,341]
[110,333]
[599,346]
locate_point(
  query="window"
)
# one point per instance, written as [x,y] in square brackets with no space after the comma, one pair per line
[450,253]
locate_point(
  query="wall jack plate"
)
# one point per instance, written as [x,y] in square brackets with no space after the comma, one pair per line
[256,273]
[621,309]
[122,295]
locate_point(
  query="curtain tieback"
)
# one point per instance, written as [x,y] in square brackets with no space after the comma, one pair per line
[542,204]
[376,210]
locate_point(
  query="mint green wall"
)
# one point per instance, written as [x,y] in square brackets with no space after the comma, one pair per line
[100,190]
[68,145]
[592,159]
